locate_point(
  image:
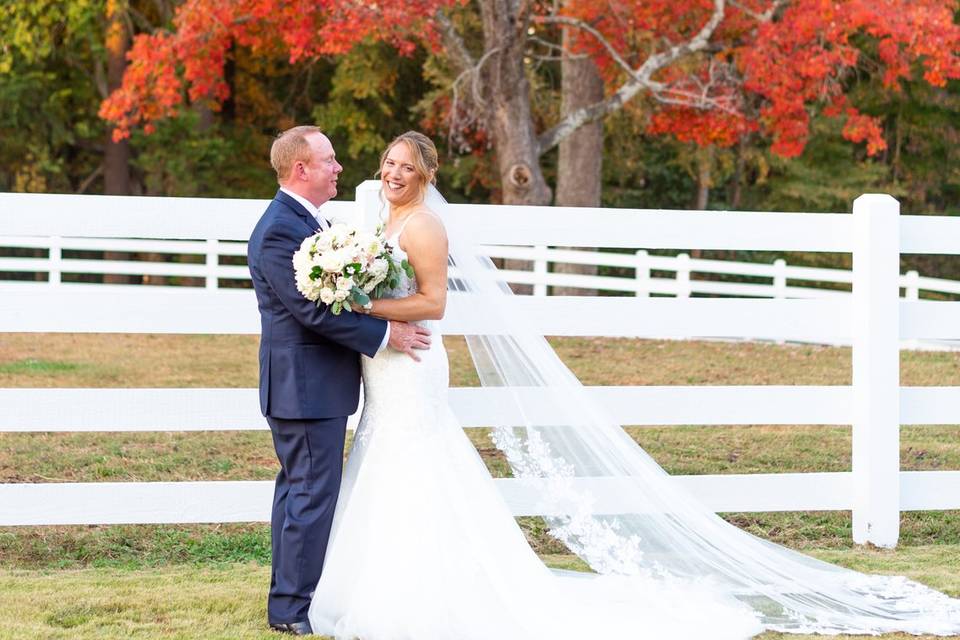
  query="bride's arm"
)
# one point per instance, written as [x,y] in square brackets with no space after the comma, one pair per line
[425,242]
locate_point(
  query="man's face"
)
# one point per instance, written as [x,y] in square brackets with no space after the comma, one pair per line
[319,176]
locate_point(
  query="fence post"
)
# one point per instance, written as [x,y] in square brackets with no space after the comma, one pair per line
[683,275]
[780,279]
[911,291]
[642,274]
[540,269]
[876,370]
[55,259]
[911,283]
[213,262]
[368,203]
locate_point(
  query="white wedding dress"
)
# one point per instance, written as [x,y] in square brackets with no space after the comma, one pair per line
[423,546]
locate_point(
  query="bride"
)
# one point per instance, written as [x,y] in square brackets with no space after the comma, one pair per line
[423,546]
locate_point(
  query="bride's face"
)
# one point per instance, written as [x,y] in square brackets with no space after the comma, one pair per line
[402,183]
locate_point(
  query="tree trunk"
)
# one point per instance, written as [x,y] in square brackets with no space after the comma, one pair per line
[116,157]
[508,114]
[739,175]
[116,161]
[581,154]
[704,167]
[704,157]
[506,92]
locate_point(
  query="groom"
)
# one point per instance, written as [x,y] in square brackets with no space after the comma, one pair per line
[309,372]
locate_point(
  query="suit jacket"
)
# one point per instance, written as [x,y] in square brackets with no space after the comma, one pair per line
[309,357]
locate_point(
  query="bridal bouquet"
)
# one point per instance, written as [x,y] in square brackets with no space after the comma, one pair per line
[345,266]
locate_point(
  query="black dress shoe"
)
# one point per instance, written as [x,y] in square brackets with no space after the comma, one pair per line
[293,628]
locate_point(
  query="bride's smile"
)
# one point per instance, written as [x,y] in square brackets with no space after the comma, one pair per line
[400,179]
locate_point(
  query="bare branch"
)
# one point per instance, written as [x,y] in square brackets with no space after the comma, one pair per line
[89,179]
[580,24]
[454,43]
[697,93]
[638,79]
[475,104]
[766,16]
[475,81]
[553,46]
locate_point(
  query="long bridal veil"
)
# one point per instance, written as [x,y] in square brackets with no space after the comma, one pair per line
[612,505]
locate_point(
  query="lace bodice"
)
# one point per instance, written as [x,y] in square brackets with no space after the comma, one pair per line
[407,285]
[398,390]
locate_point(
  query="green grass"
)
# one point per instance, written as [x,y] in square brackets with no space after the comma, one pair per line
[208,581]
[32,366]
[226,601]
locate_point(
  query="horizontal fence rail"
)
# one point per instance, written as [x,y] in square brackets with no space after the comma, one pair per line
[83,503]
[195,248]
[76,410]
[106,309]
[202,260]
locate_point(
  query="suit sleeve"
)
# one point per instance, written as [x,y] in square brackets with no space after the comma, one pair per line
[355,331]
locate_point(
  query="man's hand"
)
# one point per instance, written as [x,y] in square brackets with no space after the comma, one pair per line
[406,337]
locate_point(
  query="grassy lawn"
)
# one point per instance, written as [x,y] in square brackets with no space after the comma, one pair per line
[208,581]
[214,601]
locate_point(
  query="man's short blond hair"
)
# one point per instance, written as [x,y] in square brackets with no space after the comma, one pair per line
[289,147]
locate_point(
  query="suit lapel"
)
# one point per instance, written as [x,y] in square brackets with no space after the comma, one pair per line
[298,209]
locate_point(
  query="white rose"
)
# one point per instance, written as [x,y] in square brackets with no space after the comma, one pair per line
[369,244]
[340,296]
[345,284]
[327,295]
[324,241]
[331,261]
[340,232]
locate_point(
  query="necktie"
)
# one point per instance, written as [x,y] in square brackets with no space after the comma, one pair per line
[321,221]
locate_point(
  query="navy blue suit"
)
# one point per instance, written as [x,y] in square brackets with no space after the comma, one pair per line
[309,384]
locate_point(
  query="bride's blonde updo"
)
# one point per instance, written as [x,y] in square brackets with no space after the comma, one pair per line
[425,158]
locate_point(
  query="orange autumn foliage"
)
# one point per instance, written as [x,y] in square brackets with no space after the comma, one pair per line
[767,72]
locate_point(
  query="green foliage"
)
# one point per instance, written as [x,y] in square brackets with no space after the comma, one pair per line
[33,30]
[225,160]
[368,101]
[828,176]
[48,122]
[640,171]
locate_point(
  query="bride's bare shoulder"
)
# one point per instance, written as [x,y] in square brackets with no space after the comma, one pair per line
[426,220]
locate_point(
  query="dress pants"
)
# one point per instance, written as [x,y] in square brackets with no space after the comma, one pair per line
[304,501]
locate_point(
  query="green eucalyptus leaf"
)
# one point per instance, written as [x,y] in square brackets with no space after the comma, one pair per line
[359,296]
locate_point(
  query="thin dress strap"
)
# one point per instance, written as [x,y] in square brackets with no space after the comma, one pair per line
[403,226]
[396,236]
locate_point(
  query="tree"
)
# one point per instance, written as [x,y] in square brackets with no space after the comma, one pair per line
[580,160]
[116,157]
[58,62]
[716,70]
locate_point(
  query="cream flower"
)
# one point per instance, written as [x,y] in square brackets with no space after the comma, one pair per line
[345,284]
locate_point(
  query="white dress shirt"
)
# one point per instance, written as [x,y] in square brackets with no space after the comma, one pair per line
[309,206]
[324,225]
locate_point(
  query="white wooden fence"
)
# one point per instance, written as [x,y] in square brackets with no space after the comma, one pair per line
[873,319]
[784,280]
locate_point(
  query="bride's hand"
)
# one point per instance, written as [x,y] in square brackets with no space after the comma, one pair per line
[365,309]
